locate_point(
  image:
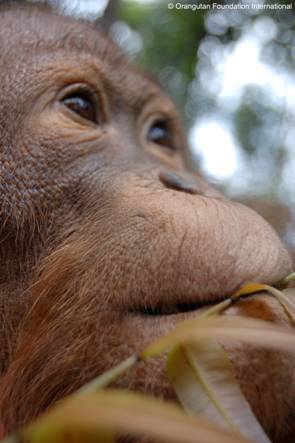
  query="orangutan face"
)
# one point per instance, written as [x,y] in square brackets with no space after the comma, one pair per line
[107,240]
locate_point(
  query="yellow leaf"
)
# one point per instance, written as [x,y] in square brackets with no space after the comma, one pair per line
[127,413]
[247,330]
[250,288]
[203,379]
[65,432]
[285,281]
[287,299]
[109,376]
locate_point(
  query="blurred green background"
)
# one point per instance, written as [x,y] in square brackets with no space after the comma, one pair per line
[230,72]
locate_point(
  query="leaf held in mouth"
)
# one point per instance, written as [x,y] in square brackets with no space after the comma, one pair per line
[247,330]
[286,297]
[286,280]
[290,294]
[287,300]
[200,372]
[250,288]
[203,379]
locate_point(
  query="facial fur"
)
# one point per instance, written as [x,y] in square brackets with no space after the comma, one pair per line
[104,229]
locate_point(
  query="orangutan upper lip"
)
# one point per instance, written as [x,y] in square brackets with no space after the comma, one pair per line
[177,308]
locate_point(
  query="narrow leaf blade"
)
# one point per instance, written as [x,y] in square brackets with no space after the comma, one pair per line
[131,413]
[286,298]
[247,330]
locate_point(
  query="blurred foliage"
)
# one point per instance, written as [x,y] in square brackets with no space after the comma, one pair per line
[170,40]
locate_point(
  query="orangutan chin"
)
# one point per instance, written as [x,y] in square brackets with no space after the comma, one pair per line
[107,239]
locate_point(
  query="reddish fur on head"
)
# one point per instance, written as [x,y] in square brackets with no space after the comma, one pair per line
[103,229]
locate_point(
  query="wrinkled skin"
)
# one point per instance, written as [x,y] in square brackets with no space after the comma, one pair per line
[101,226]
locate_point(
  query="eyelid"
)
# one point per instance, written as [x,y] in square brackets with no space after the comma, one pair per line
[72,88]
[152,119]
[88,90]
[146,120]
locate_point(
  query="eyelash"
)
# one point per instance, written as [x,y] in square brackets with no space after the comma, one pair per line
[166,138]
[79,96]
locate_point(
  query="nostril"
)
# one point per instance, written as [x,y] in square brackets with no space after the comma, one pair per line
[180,182]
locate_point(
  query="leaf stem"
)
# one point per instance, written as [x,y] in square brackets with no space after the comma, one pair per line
[109,376]
[285,281]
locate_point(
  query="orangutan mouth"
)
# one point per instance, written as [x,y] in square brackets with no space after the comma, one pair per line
[177,308]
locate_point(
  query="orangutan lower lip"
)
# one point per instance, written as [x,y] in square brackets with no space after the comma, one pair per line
[178,308]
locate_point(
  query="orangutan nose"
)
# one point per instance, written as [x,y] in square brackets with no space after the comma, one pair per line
[180,181]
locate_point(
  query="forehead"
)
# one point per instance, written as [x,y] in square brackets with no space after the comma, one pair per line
[33,38]
[36,29]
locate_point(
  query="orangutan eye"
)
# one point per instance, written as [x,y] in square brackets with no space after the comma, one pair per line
[160,134]
[83,103]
